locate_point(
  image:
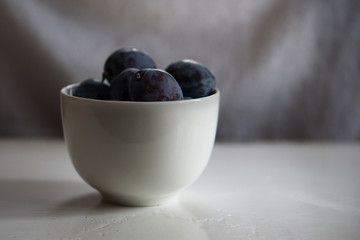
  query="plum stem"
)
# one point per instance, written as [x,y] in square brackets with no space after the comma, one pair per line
[104,76]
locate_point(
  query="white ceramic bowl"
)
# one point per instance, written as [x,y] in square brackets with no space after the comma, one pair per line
[139,153]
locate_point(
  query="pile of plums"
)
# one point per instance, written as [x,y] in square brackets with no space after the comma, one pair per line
[130,74]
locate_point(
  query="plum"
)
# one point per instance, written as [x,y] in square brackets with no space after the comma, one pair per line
[126,58]
[154,85]
[93,89]
[195,79]
[119,88]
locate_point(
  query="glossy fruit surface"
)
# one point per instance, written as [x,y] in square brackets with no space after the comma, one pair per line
[151,85]
[126,58]
[119,88]
[195,79]
[93,89]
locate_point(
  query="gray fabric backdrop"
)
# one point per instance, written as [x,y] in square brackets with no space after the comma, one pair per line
[287,69]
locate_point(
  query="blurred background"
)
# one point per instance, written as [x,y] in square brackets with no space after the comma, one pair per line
[286,69]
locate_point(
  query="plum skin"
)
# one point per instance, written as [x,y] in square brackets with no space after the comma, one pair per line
[195,79]
[93,89]
[119,88]
[126,58]
[150,85]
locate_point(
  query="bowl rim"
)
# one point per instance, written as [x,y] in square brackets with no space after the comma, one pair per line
[64,92]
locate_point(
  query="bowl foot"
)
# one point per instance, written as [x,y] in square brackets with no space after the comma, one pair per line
[140,201]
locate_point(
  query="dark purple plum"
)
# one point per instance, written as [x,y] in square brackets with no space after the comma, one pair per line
[150,85]
[126,58]
[195,79]
[119,88]
[93,89]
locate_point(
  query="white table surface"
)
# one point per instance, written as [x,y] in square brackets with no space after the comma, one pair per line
[248,191]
